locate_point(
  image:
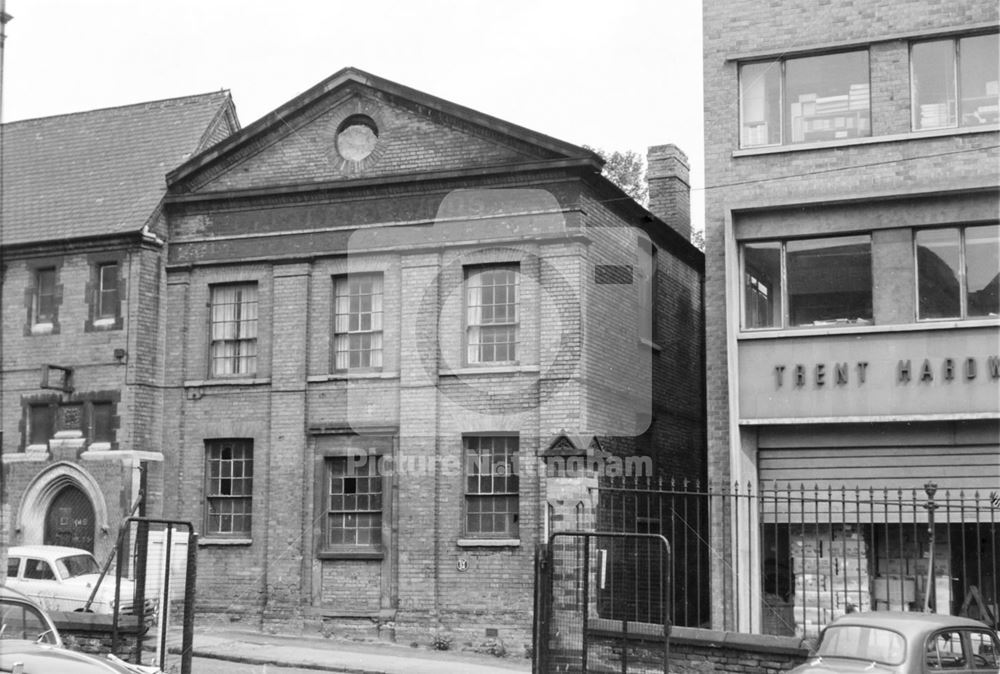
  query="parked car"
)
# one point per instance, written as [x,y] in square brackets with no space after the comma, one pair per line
[30,644]
[903,643]
[62,579]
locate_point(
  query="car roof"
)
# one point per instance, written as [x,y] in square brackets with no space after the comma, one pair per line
[45,551]
[908,624]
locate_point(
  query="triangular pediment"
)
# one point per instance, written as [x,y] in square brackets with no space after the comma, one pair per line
[356,126]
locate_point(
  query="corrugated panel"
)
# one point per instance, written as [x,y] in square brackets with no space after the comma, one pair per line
[880,484]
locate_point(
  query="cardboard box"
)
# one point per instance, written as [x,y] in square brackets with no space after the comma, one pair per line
[812,565]
[809,581]
[895,590]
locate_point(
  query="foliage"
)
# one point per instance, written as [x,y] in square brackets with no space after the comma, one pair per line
[627,170]
[442,642]
[698,239]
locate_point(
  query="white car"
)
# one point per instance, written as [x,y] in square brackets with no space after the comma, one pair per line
[62,579]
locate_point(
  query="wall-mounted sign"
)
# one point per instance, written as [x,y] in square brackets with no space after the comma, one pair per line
[937,372]
[463,564]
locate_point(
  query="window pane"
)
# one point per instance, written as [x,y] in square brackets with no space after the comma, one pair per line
[40,421]
[978,70]
[45,304]
[982,270]
[829,280]
[101,428]
[933,78]
[491,314]
[827,97]
[760,104]
[937,274]
[229,486]
[234,329]
[107,301]
[357,322]
[762,285]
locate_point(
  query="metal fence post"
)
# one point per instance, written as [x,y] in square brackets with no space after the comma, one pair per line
[930,488]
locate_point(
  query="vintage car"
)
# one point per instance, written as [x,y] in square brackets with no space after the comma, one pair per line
[30,644]
[904,643]
[62,579]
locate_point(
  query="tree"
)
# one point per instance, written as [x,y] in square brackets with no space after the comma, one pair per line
[698,239]
[627,170]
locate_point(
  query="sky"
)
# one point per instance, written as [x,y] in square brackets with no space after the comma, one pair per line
[620,75]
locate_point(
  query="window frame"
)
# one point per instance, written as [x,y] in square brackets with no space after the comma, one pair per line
[963,282]
[956,62]
[469,272]
[783,284]
[238,357]
[514,457]
[325,548]
[783,103]
[247,459]
[376,317]
[108,305]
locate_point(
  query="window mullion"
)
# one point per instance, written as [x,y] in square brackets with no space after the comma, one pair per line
[781,105]
[784,288]
[963,281]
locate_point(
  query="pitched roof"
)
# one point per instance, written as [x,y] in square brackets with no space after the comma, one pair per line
[101,171]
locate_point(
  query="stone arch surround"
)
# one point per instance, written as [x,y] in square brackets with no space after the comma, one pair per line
[43,489]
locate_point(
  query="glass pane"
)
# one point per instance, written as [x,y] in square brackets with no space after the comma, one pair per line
[937,274]
[829,281]
[102,430]
[827,97]
[978,70]
[982,270]
[760,104]
[762,285]
[933,80]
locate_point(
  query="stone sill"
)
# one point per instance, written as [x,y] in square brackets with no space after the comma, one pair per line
[487,370]
[223,542]
[489,542]
[231,381]
[866,140]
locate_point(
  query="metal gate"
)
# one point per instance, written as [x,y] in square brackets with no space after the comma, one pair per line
[602,603]
[161,579]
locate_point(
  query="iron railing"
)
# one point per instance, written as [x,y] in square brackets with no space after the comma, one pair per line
[788,559]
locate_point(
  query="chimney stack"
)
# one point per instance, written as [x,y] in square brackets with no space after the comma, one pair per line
[667,172]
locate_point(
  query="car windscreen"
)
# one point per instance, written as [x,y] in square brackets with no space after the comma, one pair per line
[872,644]
[20,621]
[77,565]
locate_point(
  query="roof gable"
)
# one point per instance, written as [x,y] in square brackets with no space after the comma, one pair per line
[103,171]
[413,133]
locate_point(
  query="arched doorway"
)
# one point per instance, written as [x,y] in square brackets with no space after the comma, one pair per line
[70,519]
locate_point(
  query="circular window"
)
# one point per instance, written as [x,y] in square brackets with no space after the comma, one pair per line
[356,138]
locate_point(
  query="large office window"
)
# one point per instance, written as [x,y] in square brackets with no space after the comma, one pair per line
[958,272]
[807,282]
[357,341]
[353,502]
[955,82]
[491,311]
[491,487]
[805,100]
[229,489]
[234,329]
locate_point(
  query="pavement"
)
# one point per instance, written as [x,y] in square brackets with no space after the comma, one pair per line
[337,655]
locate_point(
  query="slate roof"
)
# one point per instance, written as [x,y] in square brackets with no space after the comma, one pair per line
[101,171]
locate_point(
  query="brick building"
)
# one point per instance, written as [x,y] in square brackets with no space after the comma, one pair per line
[851,291]
[393,324]
[82,266]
